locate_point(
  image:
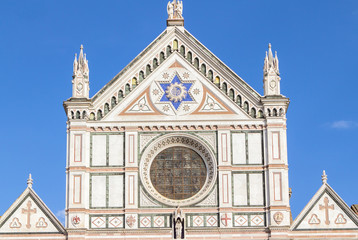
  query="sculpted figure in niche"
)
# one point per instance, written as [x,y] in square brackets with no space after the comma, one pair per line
[178,224]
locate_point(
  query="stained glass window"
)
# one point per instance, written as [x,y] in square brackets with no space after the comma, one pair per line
[178,173]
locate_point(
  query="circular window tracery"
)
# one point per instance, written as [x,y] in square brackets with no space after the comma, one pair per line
[178,173]
[182,198]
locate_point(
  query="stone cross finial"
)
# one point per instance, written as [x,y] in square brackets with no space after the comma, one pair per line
[324,177]
[30,181]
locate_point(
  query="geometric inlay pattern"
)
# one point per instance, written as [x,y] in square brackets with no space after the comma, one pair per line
[98,222]
[240,220]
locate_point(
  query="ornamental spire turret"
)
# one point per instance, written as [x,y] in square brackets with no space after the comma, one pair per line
[80,82]
[271,73]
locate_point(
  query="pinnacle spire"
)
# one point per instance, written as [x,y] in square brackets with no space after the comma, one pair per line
[29,181]
[324,177]
[80,88]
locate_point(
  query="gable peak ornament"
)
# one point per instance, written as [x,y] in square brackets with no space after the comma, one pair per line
[30,181]
[324,177]
[175,13]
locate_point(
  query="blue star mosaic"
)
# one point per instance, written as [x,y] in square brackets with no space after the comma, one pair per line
[176,92]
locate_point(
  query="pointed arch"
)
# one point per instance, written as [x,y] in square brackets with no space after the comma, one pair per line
[162,57]
[196,63]
[141,76]
[182,50]
[99,114]
[246,107]
[274,112]
[282,113]
[134,82]
[78,115]
[127,89]
[253,113]
[260,114]
[155,63]
[224,88]
[84,115]
[175,45]
[106,109]
[92,116]
[238,100]
[72,115]
[120,96]
[217,81]
[232,94]
[189,57]
[203,69]
[113,102]
[269,112]
[148,70]
[210,75]
[169,50]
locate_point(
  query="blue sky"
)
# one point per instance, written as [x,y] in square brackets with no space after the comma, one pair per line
[317,48]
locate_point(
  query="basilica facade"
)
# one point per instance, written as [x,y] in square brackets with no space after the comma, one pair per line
[178,146]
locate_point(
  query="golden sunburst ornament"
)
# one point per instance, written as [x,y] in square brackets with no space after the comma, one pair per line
[176,92]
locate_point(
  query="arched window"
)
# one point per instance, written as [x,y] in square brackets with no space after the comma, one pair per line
[141,76]
[169,50]
[246,107]
[72,115]
[99,114]
[232,94]
[282,112]
[148,70]
[182,51]
[113,102]
[106,108]
[217,81]
[203,69]
[134,82]
[78,115]
[120,96]
[224,88]
[92,116]
[210,75]
[84,115]
[260,114]
[196,63]
[189,57]
[238,100]
[155,63]
[253,112]
[274,112]
[162,57]
[269,112]
[175,45]
[127,89]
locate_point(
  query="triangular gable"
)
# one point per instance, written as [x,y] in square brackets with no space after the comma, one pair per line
[326,210]
[232,81]
[28,214]
[176,89]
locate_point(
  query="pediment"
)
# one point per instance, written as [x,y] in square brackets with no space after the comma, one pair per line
[326,210]
[228,95]
[29,214]
[175,91]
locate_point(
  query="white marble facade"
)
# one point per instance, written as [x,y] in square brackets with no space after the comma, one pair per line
[178,95]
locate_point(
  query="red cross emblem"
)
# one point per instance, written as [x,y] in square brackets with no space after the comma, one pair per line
[225,219]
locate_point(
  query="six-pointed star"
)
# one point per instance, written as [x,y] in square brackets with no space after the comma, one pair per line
[176,94]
